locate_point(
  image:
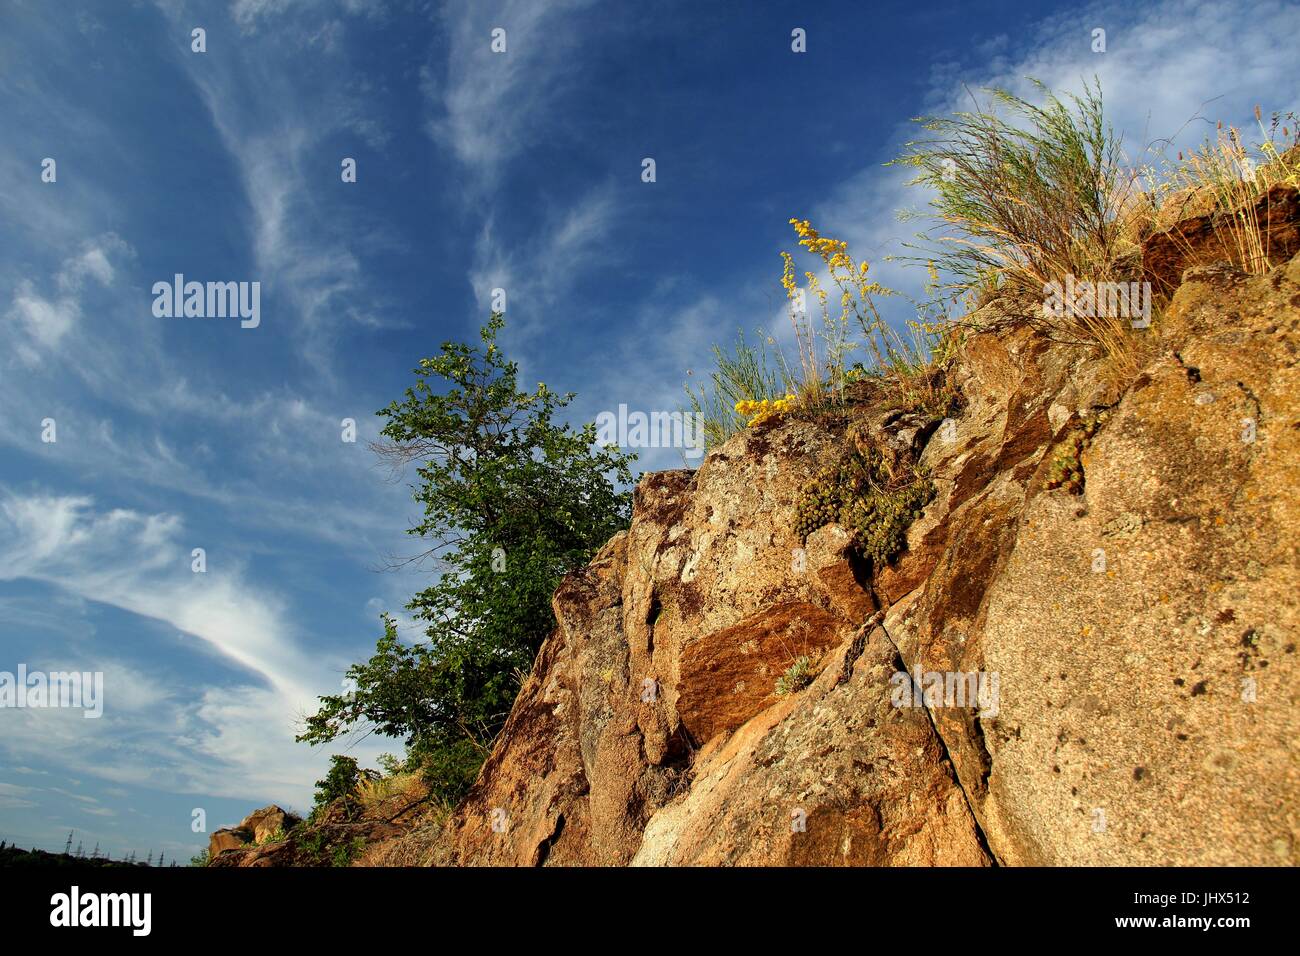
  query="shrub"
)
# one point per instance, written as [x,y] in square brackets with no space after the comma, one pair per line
[340,784]
[313,843]
[373,791]
[344,853]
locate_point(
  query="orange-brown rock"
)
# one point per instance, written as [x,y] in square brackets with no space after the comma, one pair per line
[1046,675]
[838,573]
[257,827]
[730,675]
[228,838]
[1134,626]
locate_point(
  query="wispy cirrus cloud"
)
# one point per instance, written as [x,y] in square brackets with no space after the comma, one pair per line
[537,270]
[140,563]
[490,106]
[492,111]
[273,123]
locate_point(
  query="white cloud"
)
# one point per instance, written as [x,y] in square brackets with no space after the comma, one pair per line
[1167,63]
[231,741]
[94,262]
[46,321]
[137,562]
[490,106]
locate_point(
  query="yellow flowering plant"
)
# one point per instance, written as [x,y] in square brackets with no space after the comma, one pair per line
[752,384]
[757,411]
[821,382]
[909,359]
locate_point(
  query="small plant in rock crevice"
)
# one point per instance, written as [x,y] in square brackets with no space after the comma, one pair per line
[860,493]
[277,836]
[1066,469]
[796,677]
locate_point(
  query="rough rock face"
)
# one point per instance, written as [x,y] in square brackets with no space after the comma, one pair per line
[1101,678]
[1144,632]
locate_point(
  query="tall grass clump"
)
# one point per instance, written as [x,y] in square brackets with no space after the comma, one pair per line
[746,373]
[1226,177]
[1028,195]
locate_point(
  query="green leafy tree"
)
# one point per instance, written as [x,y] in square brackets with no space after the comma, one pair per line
[339,784]
[512,500]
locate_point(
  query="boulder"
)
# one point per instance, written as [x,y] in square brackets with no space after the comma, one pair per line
[228,838]
[257,827]
[268,821]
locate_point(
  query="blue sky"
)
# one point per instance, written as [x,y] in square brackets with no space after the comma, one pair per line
[476,170]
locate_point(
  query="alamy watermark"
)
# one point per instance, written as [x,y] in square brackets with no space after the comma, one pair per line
[38,689]
[626,429]
[209,300]
[1098,300]
[946,689]
[75,908]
